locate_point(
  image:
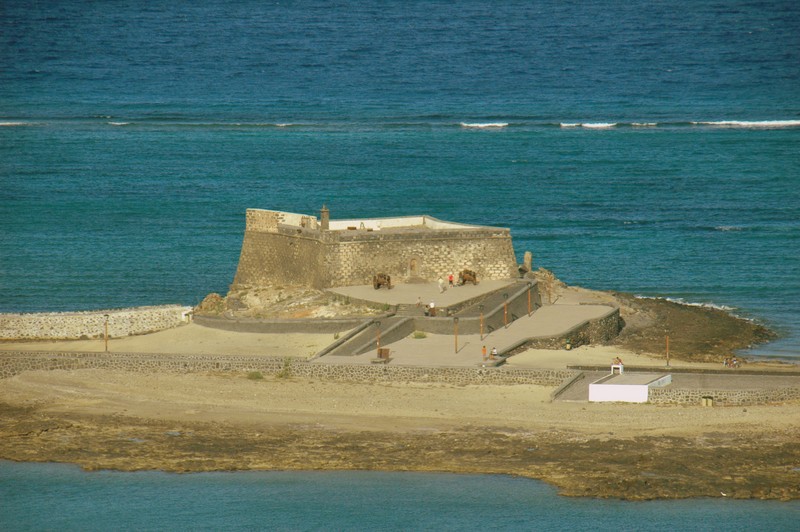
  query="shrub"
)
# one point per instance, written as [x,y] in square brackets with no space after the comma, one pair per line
[286,370]
[418,335]
[255,376]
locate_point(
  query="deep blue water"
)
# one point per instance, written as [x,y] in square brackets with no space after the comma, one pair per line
[135,134]
[60,497]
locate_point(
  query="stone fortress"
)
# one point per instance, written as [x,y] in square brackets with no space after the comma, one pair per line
[282,248]
[513,304]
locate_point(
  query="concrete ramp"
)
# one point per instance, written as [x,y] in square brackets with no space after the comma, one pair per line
[384,330]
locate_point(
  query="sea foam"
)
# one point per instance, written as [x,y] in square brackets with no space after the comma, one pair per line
[590,125]
[599,125]
[486,125]
[751,124]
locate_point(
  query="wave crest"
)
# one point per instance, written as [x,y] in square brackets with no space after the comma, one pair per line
[751,124]
[484,125]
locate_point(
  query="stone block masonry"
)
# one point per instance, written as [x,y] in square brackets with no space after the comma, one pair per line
[91,324]
[286,249]
[741,397]
[12,363]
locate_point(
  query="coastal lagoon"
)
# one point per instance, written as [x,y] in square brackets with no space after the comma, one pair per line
[53,496]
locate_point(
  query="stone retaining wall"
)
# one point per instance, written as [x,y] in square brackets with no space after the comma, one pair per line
[596,331]
[12,363]
[91,324]
[723,397]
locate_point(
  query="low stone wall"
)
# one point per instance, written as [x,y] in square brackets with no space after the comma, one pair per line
[596,331]
[319,325]
[12,363]
[723,397]
[91,324]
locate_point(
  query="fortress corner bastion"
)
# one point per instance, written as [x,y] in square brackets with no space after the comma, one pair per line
[288,249]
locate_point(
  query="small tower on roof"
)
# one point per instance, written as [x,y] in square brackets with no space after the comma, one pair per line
[324,218]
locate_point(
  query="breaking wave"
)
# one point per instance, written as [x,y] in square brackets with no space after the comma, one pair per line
[590,125]
[751,124]
[599,125]
[485,125]
[682,301]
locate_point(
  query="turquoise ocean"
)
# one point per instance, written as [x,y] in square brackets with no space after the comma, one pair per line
[645,147]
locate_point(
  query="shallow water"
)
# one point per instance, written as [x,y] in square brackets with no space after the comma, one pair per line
[52,496]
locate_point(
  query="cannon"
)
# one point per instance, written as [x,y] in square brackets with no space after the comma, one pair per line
[381,279]
[467,276]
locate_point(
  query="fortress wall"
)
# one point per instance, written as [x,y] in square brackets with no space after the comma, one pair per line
[356,258]
[77,325]
[280,258]
[287,249]
[267,221]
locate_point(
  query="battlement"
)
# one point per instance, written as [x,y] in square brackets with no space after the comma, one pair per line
[269,221]
[282,248]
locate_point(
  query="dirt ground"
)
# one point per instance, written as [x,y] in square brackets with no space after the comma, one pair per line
[103,419]
[198,422]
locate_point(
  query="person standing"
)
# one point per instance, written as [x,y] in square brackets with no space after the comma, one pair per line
[450,279]
[483,352]
[494,354]
[441,285]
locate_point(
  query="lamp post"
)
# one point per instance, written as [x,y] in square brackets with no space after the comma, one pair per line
[378,338]
[455,331]
[668,350]
[505,310]
[480,307]
[529,297]
[105,331]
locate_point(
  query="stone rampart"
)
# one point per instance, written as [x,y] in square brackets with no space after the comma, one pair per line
[12,363]
[91,324]
[279,259]
[291,250]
